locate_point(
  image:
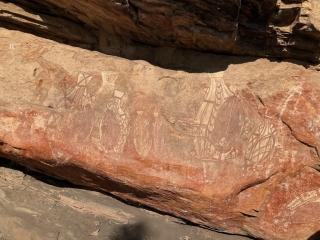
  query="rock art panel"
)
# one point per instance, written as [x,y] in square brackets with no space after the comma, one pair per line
[298,206]
[223,132]
[223,149]
[302,209]
[142,136]
[72,117]
[158,136]
[114,125]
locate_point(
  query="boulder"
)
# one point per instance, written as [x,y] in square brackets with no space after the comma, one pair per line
[232,149]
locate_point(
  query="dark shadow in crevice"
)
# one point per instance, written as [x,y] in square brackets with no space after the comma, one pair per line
[38,175]
[136,231]
[315,236]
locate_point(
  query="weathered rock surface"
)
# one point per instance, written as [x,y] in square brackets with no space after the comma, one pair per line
[35,206]
[278,28]
[234,150]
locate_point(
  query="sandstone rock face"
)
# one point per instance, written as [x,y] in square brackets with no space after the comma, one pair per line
[233,150]
[269,28]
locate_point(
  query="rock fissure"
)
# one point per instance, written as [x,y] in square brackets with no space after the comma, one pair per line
[314,148]
[256,183]
[316,168]
[6,145]
[248,215]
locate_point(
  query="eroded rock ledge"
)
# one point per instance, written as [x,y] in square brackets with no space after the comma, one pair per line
[270,28]
[234,150]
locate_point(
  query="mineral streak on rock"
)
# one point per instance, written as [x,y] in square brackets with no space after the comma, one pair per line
[233,150]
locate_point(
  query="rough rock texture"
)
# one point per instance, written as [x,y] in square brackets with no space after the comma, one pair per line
[234,150]
[34,206]
[278,28]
